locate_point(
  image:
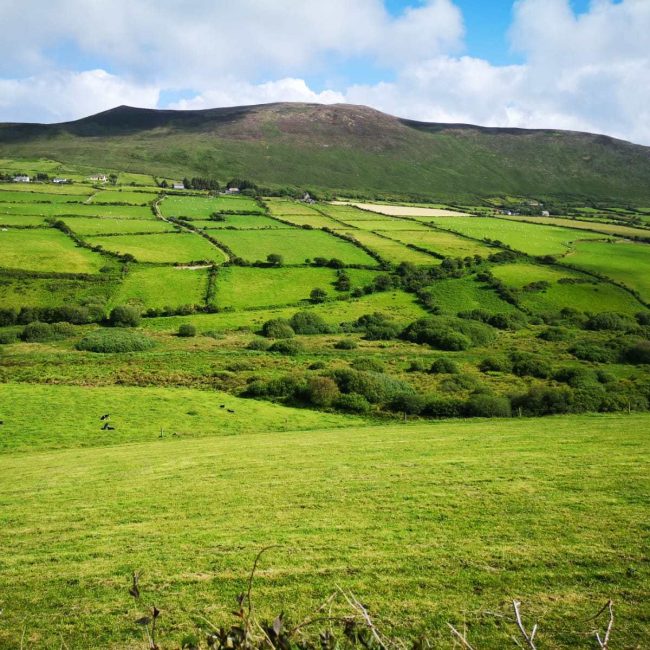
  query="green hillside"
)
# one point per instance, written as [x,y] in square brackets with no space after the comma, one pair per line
[344,148]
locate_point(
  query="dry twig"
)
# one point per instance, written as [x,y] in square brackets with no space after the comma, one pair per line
[603,643]
[460,637]
[530,638]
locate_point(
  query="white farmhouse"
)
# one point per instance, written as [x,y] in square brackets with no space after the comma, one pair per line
[22,179]
[178,186]
[98,177]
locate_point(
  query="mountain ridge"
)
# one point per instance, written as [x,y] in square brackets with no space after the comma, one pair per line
[344,147]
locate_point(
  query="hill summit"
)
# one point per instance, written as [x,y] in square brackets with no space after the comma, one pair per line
[344,148]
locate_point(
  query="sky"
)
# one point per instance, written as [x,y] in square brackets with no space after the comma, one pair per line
[564,64]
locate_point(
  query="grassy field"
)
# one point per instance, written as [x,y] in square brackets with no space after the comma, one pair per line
[386,225]
[398,305]
[342,504]
[46,250]
[295,246]
[162,287]
[590,296]
[108,226]
[534,240]
[77,209]
[626,263]
[408,210]
[464,294]
[196,207]
[605,228]
[122,196]
[391,250]
[81,191]
[442,243]
[21,220]
[7,196]
[36,292]
[269,287]
[165,248]
[239,221]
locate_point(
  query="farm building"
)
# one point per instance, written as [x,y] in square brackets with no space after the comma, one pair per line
[21,179]
[178,186]
[59,180]
[98,177]
[232,190]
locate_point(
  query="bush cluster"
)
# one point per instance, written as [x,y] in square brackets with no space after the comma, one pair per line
[115,340]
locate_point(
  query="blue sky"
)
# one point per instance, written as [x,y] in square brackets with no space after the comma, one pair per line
[566,64]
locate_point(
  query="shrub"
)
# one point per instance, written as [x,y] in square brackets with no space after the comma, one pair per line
[368,364]
[443,407]
[346,344]
[575,377]
[590,351]
[554,333]
[638,353]
[124,316]
[484,405]
[317,365]
[643,318]
[495,364]
[458,383]
[117,340]
[352,403]
[322,391]
[544,400]
[186,330]
[408,403]
[318,295]
[7,337]
[375,387]
[287,346]
[8,316]
[377,327]
[306,322]
[610,321]
[448,334]
[444,366]
[258,344]
[525,364]
[274,259]
[417,365]
[41,332]
[277,328]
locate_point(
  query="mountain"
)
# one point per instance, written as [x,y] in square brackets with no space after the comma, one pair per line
[344,148]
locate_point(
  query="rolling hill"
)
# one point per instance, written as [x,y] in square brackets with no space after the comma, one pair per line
[344,148]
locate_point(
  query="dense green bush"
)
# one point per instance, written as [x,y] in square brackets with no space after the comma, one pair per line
[409,403]
[443,366]
[458,383]
[322,391]
[287,346]
[41,332]
[575,376]
[484,405]
[277,328]
[495,364]
[448,334]
[352,403]
[115,340]
[7,337]
[544,400]
[554,333]
[186,330]
[443,407]
[377,327]
[526,364]
[346,344]
[611,321]
[368,364]
[306,322]
[377,388]
[418,365]
[258,344]
[8,316]
[637,353]
[124,316]
[592,351]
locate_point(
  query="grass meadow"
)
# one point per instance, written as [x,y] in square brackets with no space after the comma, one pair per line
[121,196]
[197,207]
[391,250]
[295,246]
[109,226]
[240,222]
[54,292]
[80,209]
[46,250]
[165,248]
[425,523]
[441,243]
[624,262]
[159,287]
[524,237]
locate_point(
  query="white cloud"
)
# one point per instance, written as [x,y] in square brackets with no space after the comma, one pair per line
[56,96]
[586,72]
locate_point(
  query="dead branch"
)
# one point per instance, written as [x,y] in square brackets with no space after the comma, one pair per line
[460,637]
[356,605]
[604,642]
[252,575]
[529,638]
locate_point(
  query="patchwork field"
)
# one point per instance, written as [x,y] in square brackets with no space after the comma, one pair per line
[389,249]
[240,222]
[45,250]
[295,246]
[196,207]
[624,262]
[441,243]
[119,196]
[353,497]
[406,210]
[534,240]
[21,220]
[165,248]
[54,292]
[109,226]
[7,196]
[158,288]
[464,294]
[587,295]
[80,209]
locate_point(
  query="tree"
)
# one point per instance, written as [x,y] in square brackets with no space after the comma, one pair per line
[318,295]
[112,179]
[124,316]
[186,330]
[322,391]
[274,259]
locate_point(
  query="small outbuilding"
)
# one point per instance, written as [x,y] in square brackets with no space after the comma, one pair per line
[22,179]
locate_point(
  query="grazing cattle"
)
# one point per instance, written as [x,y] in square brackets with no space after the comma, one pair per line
[230,411]
[105,416]
[223,406]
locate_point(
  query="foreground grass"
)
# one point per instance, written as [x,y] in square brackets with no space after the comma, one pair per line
[426,523]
